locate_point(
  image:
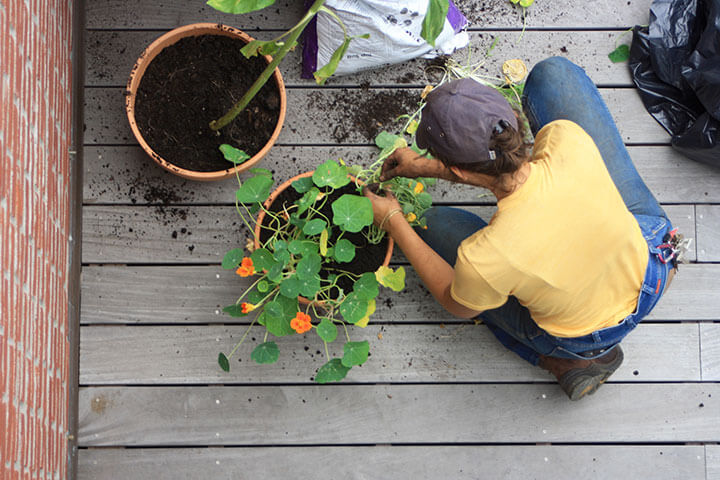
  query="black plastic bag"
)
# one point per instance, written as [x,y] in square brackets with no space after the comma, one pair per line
[675,63]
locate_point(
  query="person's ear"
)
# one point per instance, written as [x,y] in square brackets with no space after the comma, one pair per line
[459,172]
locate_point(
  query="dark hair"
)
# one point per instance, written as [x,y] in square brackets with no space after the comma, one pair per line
[511,148]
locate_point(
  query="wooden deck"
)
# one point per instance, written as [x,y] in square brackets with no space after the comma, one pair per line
[439,397]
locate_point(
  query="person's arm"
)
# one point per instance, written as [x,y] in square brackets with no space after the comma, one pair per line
[435,272]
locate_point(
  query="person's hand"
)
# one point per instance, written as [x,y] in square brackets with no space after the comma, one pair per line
[384,208]
[405,162]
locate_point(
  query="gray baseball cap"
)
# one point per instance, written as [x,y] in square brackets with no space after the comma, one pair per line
[459,119]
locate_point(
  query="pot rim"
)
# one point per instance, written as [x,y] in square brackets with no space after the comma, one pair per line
[281,188]
[138,71]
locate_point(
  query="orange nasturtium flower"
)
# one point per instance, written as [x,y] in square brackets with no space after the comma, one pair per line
[418,188]
[301,322]
[411,217]
[246,268]
[247,307]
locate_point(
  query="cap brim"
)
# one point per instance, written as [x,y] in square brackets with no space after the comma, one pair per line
[421,137]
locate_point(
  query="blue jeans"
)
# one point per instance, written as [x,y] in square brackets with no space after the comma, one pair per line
[558,89]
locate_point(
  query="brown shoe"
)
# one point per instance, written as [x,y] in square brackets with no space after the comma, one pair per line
[583,377]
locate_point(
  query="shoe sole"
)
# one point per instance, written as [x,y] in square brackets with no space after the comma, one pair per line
[578,383]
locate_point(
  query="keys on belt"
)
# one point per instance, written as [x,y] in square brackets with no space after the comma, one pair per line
[674,248]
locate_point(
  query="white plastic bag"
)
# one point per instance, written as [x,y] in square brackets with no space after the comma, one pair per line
[394,28]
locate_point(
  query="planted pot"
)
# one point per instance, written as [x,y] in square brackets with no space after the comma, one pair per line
[368,255]
[189,77]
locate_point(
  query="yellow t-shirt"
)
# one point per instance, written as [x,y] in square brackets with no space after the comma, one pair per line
[563,243]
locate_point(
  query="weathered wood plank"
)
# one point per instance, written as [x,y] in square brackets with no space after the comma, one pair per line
[111,55]
[195,234]
[371,414]
[712,459]
[117,14]
[126,175]
[398,462]
[349,115]
[181,295]
[710,350]
[708,232]
[400,354]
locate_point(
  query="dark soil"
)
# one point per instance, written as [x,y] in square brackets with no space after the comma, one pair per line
[368,257]
[193,82]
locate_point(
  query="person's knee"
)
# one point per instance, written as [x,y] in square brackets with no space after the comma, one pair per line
[549,69]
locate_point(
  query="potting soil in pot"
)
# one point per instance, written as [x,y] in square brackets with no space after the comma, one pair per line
[368,256]
[197,80]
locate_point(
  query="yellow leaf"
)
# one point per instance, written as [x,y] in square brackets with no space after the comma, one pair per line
[514,70]
[363,322]
[323,242]
[426,90]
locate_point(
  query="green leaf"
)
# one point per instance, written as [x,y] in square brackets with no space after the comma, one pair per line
[344,250]
[232,154]
[330,174]
[412,127]
[366,319]
[434,20]
[261,171]
[263,286]
[326,71]
[309,266]
[620,54]
[353,308]
[234,310]
[352,212]
[275,272]
[307,200]
[254,47]
[394,280]
[233,258]
[332,371]
[314,226]
[290,287]
[254,189]
[262,259]
[366,287]
[355,353]
[525,3]
[327,330]
[267,352]
[302,185]
[223,362]
[303,247]
[385,140]
[309,286]
[424,199]
[239,6]
[276,320]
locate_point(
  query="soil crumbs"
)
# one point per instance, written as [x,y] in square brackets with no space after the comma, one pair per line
[193,82]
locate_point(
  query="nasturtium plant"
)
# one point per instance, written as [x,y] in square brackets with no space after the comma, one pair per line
[289,262]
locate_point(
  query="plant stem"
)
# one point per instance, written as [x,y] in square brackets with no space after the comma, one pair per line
[216,125]
[242,339]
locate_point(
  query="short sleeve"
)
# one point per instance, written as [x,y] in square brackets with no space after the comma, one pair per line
[471,289]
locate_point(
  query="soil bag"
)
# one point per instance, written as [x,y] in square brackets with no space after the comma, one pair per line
[675,63]
[394,28]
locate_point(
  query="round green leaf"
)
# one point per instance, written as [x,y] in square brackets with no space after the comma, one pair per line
[232,154]
[223,362]
[233,258]
[309,266]
[353,308]
[327,330]
[303,247]
[302,185]
[307,200]
[314,226]
[262,259]
[355,353]
[264,353]
[277,321]
[352,212]
[332,371]
[330,174]
[254,189]
[344,250]
[366,287]
[290,287]
[239,6]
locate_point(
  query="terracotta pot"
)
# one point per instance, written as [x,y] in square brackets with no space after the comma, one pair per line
[136,75]
[281,188]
